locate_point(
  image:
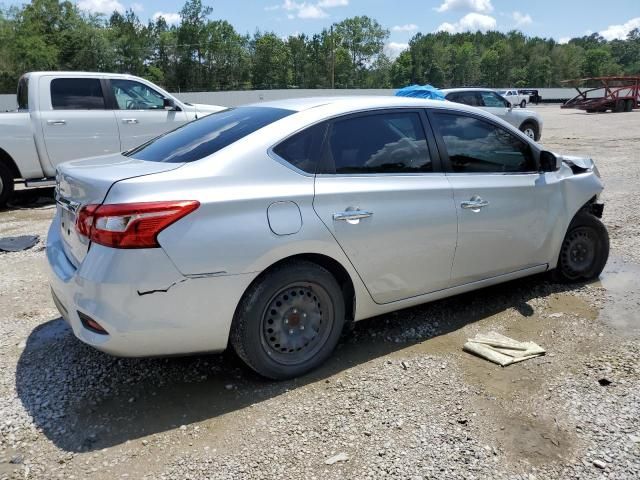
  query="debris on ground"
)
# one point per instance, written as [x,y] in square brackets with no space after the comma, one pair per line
[17,244]
[341,457]
[502,350]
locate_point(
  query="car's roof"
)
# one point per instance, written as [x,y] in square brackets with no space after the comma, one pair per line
[353,103]
[78,74]
[469,89]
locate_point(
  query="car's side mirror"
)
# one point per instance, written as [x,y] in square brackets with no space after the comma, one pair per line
[549,162]
[169,104]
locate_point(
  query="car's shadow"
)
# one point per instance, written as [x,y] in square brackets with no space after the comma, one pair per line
[31,198]
[84,400]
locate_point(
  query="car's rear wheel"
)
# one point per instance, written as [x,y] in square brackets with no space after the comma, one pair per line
[585,250]
[620,106]
[6,184]
[289,321]
[628,105]
[523,104]
[530,129]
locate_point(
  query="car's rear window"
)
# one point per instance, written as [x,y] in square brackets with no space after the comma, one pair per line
[207,135]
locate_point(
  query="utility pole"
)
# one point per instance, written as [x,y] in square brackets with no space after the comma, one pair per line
[333,61]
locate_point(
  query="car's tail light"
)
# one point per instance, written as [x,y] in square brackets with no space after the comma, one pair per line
[130,225]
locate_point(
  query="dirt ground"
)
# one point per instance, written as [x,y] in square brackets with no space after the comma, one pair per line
[399,398]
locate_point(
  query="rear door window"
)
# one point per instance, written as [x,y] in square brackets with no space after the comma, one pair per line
[77,94]
[477,146]
[466,98]
[207,135]
[379,143]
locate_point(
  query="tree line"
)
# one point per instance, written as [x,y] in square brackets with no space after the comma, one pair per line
[203,54]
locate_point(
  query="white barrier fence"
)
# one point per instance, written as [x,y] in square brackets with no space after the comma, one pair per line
[235,98]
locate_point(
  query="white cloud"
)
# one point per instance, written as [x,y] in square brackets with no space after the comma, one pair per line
[620,31]
[101,6]
[522,18]
[171,18]
[311,11]
[409,27]
[307,10]
[482,6]
[333,3]
[471,22]
[564,40]
[137,7]
[393,49]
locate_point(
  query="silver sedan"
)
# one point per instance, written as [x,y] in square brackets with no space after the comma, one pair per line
[270,227]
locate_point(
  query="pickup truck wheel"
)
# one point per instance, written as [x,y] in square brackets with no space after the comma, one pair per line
[530,129]
[289,321]
[6,184]
[523,104]
[584,251]
[620,106]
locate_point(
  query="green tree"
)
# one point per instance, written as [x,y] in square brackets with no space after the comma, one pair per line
[270,62]
[363,38]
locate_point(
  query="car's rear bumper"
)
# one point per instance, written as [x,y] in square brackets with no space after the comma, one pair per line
[144,303]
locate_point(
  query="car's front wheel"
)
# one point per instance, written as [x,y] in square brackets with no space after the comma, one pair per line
[585,250]
[289,321]
[523,104]
[531,130]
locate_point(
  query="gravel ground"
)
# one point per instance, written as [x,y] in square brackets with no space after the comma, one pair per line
[399,399]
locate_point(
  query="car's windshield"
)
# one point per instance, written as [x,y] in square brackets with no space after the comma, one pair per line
[207,135]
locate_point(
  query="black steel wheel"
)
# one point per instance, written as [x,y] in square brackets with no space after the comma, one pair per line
[584,251]
[297,322]
[289,321]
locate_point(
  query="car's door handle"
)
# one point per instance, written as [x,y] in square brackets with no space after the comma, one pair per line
[130,120]
[348,215]
[475,204]
[56,122]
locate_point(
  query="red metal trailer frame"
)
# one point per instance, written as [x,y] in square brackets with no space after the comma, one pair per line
[621,94]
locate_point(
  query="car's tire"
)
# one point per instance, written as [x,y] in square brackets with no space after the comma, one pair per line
[584,251]
[620,106]
[6,184]
[289,321]
[523,104]
[591,110]
[531,130]
[628,105]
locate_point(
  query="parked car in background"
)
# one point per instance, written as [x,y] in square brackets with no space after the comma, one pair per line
[269,227]
[513,96]
[527,121]
[64,116]
[531,95]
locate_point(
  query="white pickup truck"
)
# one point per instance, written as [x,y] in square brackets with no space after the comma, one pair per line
[513,96]
[63,116]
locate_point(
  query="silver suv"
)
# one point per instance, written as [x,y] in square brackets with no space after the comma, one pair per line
[527,121]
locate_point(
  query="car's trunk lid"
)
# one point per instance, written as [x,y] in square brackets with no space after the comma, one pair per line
[84,182]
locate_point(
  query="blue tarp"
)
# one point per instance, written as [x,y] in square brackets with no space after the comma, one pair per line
[420,91]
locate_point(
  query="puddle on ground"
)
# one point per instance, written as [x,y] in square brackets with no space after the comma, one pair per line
[621,280]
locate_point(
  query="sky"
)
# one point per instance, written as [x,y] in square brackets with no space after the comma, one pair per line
[559,19]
